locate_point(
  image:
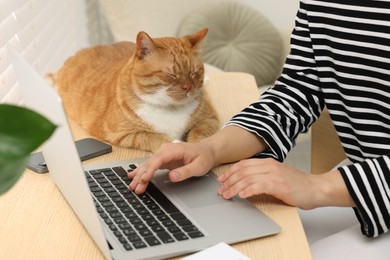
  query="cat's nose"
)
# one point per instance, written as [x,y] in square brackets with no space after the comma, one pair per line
[186,87]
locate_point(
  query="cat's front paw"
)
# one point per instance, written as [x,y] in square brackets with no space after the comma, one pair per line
[196,137]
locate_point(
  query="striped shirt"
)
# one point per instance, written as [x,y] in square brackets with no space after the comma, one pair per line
[340,58]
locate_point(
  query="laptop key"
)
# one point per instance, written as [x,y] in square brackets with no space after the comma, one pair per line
[108,221]
[158,229]
[177,216]
[120,203]
[113,194]
[126,210]
[104,215]
[168,223]
[183,222]
[152,241]
[158,212]
[92,184]
[116,215]
[180,236]
[117,182]
[139,244]
[108,189]
[147,217]
[123,189]
[109,173]
[120,171]
[128,195]
[137,206]
[113,227]
[99,209]
[142,211]
[153,206]
[140,226]
[103,198]
[145,233]
[129,232]
[122,240]
[117,233]
[174,229]
[120,220]
[132,166]
[134,238]
[190,228]
[107,204]
[136,221]
[163,217]
[195,234]
[165,237]
[124,226]
[127,247]
[158,196]
[99,193]
[102,180]
[131,215]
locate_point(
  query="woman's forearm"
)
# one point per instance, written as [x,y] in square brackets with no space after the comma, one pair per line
[234,143]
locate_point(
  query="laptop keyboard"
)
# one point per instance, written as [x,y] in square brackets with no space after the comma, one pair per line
[138,221]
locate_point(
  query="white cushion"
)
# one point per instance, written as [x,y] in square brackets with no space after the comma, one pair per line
[239,39]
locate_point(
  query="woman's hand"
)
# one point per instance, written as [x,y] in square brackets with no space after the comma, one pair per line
[183,160]
[296,188]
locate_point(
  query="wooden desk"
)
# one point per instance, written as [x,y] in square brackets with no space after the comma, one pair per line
[37,223]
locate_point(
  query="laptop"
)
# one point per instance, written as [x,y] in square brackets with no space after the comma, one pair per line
[169,219]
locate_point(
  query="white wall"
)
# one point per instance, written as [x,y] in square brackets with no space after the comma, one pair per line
[280,12]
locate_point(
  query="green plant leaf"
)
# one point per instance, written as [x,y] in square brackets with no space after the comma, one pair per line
[21,132]
[10,171]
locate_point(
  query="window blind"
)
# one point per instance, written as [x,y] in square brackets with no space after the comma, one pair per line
[44,32]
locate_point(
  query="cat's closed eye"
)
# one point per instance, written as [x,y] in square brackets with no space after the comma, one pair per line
[195,75]
[173,76]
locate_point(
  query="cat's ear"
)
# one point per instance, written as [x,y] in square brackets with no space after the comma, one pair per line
[197,37]
[145,44]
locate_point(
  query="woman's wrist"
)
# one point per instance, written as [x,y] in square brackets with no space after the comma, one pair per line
[331,190]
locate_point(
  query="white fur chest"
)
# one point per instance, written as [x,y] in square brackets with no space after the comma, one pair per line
[170,121]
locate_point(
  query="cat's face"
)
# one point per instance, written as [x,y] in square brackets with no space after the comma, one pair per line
[168,71]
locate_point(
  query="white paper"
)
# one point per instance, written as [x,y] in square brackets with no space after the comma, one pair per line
[219,251]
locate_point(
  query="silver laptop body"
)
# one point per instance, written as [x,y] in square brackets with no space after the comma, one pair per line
[217,219]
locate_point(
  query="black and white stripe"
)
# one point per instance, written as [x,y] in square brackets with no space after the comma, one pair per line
[340,57]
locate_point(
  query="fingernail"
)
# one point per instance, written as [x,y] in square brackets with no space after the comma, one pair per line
[220,190]
[131,185]
[137,189]
[220,177]
[175,176]
[226,195]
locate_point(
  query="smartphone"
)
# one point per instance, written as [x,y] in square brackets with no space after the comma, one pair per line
[87,148]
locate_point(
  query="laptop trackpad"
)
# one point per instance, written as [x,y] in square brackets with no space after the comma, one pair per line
[206,191]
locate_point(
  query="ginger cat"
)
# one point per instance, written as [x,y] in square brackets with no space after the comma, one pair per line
[139,95]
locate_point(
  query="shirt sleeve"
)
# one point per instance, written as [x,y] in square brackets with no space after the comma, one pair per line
[292,104]
[368,183]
